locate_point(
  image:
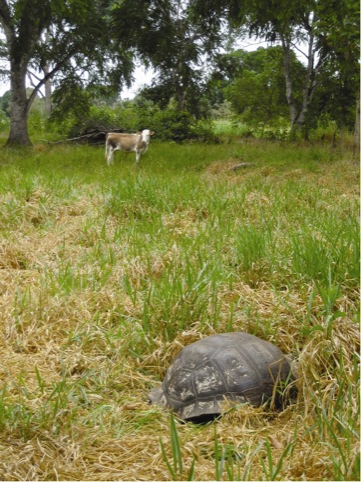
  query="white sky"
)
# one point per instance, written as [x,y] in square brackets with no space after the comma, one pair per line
[142,76]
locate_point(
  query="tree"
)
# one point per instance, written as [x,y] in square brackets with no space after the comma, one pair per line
[293,23]
[165,34]
[284,21]
[68,54]
[338,38]
[256,89]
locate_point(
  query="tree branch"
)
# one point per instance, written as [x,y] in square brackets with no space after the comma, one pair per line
[6,22]
[30,77]
[5,13]
[49,76]
[299,50]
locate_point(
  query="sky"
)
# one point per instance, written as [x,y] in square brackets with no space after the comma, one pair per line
[142,76]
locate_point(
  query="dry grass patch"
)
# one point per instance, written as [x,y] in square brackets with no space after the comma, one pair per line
[103,281]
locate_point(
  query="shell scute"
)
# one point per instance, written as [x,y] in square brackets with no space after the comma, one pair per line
[180,386]
[209,379]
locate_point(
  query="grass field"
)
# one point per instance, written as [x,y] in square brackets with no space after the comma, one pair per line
[106,273]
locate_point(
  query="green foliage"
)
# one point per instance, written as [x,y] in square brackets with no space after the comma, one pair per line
[5,102]
[176,38]
[331,30]
[170,124]
[71,102]
[56,39]
[173,41]
[4,121]
[338,36]
[326,129]
[173,124]
[176,466]
[257,89]
[37,123]
[334,100]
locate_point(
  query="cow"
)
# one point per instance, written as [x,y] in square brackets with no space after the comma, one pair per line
[137,143]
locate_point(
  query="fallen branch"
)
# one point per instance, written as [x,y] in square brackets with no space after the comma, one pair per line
[243,165]
[97,137]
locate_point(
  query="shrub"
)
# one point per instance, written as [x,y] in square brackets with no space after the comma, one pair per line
[179,126]
[4,121]
[170,124]
[326,129]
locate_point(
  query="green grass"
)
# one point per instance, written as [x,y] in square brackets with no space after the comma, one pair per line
[106,272]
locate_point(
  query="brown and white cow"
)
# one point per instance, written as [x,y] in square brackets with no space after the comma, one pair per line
[137,143]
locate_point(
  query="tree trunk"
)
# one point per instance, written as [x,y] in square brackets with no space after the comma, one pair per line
[287,72]
[48,105]
[299,118]
[309,83]
[18,108]
[48,82]
[181,97]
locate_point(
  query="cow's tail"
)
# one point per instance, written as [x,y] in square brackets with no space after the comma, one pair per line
[106,147]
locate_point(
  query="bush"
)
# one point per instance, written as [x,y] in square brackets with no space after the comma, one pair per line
[326,129]
[99,118]
[204,131]
[4,121]
[179,126]
[36,122]
[170,124]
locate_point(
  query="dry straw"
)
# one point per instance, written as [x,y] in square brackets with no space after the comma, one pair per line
[77,362]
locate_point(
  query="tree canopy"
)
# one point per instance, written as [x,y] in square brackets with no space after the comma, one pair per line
[166,35]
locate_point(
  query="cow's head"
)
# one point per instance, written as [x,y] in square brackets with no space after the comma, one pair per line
[146,133]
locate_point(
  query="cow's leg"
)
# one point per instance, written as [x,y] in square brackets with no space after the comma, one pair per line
[110,155]
[137,156]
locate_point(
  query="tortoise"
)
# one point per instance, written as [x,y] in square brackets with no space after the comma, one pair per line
[238,366]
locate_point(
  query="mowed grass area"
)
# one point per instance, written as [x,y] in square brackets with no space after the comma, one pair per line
[106,273]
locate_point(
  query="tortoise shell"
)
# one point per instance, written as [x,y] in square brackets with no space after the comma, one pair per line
[235,366]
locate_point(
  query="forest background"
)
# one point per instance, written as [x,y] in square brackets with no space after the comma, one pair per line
[67,62]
